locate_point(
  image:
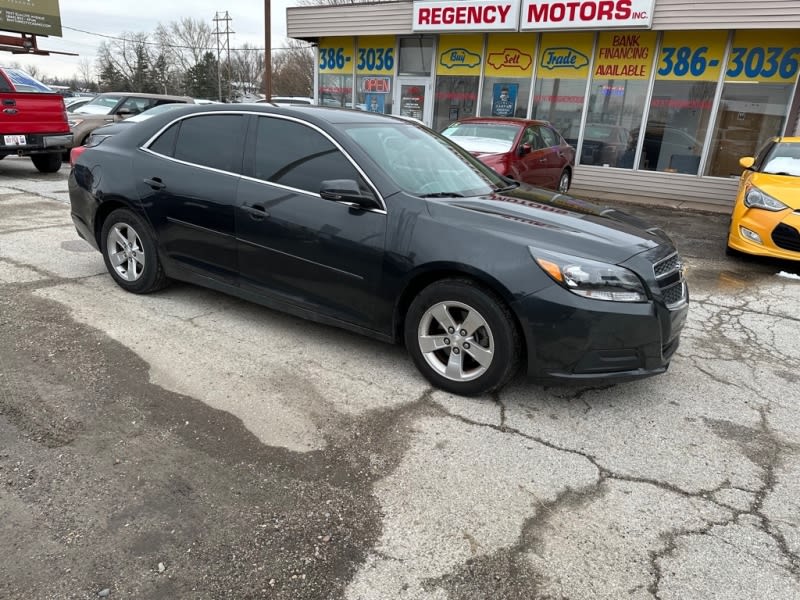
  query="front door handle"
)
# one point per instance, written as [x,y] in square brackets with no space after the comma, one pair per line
[9,102]
[257,212]
[155,183]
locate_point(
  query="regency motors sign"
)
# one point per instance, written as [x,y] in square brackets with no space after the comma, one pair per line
[466,15]
[531,15]
[40,17]
[586,14]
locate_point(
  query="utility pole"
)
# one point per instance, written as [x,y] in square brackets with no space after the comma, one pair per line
[267,50]
[223,46]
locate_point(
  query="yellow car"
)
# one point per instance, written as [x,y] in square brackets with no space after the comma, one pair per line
[766,216]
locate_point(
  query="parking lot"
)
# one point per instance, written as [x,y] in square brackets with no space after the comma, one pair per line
[187,444]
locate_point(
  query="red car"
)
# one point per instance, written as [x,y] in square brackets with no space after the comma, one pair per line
[528,151]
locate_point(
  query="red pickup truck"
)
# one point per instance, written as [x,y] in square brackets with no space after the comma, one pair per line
[33,120]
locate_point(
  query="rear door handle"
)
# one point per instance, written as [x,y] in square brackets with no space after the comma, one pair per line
[10,111]
[155,183]
[257,212]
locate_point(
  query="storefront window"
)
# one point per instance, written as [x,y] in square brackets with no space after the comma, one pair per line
[458,69]
[617,96]
[507,74]
[375,62]
[761,73]
[683,96]
[416,56]
[336,61]
[560,91]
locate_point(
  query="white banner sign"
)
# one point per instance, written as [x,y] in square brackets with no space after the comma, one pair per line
[586,14]
[466,15]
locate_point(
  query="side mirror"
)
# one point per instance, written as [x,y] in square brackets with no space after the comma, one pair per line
[346,191]
[525,149]
[746,162]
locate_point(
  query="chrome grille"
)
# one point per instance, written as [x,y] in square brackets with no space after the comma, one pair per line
[669,275]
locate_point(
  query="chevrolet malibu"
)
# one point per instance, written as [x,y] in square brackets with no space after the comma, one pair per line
[383,227]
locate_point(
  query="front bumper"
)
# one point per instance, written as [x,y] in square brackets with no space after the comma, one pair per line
[779,233]
[570,338]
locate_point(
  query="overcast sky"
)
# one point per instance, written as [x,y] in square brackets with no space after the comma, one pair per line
[111,18]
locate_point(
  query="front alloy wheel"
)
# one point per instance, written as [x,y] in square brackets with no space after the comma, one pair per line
[462,337]
[456,341]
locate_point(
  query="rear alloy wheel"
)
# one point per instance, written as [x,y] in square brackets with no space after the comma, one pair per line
[563,183]
[130,253]
[46,163]
[462,337]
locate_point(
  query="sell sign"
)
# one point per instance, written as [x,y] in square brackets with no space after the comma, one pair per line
[586,14]
[466,15]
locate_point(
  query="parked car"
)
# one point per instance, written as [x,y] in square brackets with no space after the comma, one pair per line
[383,227]
[603,144]
[111,107]
[73,103]
[528,151]
[766,214]
[101,133]
[33,121]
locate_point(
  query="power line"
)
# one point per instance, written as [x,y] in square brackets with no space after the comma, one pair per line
[174,46]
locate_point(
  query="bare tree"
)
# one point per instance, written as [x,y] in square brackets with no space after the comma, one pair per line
[184,43]
[293,70]
[86,74]
[247,68]
[125,63]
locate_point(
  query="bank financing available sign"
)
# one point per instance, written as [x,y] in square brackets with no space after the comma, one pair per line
[585,14]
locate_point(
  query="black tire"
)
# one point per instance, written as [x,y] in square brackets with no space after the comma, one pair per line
[496,341]
[126,236]
[47,163]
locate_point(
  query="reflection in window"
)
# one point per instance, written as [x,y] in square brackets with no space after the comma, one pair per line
[456,97]
[336,90]
[560,101]
[416,56]
[749,114]
[677,126]
[617,105]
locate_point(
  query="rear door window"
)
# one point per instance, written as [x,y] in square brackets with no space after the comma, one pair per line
[213,141]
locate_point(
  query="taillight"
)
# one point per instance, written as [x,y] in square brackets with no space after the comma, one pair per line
[75,153]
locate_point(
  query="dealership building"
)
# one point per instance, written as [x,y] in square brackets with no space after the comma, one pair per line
[659,97]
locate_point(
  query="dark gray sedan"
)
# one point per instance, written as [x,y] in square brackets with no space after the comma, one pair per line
[380,226]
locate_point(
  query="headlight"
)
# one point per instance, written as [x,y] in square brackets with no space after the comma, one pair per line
[75,122]
[755,198]
[591,278]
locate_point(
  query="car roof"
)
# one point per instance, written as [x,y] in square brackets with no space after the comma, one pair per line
[502,120]
[146,95]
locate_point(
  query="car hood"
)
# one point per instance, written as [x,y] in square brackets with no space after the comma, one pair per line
[781,187]
[557,222]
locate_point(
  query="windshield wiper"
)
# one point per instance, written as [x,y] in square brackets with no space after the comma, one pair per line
[782,173]
[442,195]
[512,186]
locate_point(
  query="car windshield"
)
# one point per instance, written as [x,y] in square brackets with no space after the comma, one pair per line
[423,163]
[101,105]
[483,137]
[783,159]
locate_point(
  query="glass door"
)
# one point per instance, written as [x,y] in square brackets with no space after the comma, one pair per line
[412,99]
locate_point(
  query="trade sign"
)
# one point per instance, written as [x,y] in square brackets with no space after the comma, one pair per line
[466,15]
[586,14]
[565,55]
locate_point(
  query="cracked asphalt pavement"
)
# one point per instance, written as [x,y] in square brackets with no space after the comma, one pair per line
[187,444]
